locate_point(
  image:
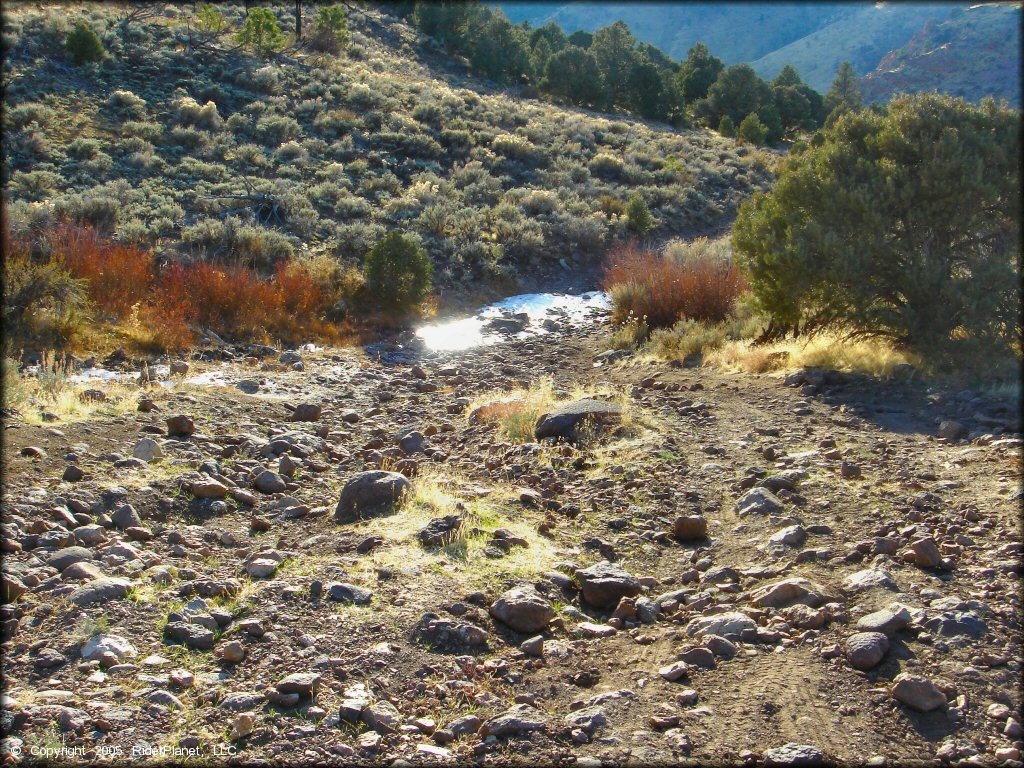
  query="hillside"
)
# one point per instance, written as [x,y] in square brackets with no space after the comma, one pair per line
[159,143]
[974,53]
[862,37]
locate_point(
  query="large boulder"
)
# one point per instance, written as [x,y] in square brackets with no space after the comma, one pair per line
[523,609]
[571,421]
[370,493]
[604,584]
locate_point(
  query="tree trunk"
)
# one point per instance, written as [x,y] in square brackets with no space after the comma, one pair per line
[298,21]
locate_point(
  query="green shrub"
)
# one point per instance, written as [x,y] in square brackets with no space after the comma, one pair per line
[398,272]
[210,20]
[727,127]
[43,303]
[752,130]
[25,114]
[260,33]
[902,225]
[638,216]
[84,45]
[330,30]
[234,242]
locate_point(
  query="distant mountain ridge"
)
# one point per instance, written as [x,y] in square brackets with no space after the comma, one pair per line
[975,52]
[816,37]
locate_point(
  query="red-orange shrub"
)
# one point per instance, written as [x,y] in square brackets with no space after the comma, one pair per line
[646,285]
[117,276]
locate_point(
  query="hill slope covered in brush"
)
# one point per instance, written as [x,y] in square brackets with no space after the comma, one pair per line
[170,139]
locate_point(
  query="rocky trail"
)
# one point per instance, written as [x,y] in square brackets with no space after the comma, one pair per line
[335,556]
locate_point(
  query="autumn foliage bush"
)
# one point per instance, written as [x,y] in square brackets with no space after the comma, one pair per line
[117,277]
[693,283]
[165,308]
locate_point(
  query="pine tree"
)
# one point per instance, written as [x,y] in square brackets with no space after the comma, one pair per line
[844,95]
[903,225]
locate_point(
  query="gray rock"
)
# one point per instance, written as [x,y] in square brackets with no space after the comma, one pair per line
[125,516]
[101,644]
[759,501]
[523,609]
[956,624]
[865,650]
[355,699]
[518,719]
[370,493]
[382,716]
[242,702]
[888,621]
[869,578]
[587,719]
[794,755]
[571,421]
[441,531]
[917,692]
[789,591]
[729,624]
[305,684]
[698,657]
[191,635]
[63,558]
[147,450]
[100,591]
[604,584]
[349,593]
[269,482]
[791,536]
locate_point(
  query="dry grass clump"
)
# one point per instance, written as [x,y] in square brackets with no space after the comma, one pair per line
[45,393]
[875,357]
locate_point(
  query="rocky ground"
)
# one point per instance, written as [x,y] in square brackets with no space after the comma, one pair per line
[752,569]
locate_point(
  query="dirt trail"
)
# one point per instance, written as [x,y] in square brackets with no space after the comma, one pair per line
[864,477]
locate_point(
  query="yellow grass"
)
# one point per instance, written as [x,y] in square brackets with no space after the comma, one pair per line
[871,356]
[434,496]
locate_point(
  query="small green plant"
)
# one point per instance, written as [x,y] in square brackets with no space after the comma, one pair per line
[727,127]
[210,20]
[398,272]
[638,215]
[261,33]
[330,30]
[84,45]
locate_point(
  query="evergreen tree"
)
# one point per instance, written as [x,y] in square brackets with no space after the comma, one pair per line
[698,72]
[499,50]
[844,95]
[613,49]
[261,33]
[752,130]
[572,74]
[903,225]
[581,39]
[727,127]
[648,95]
[737,92]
